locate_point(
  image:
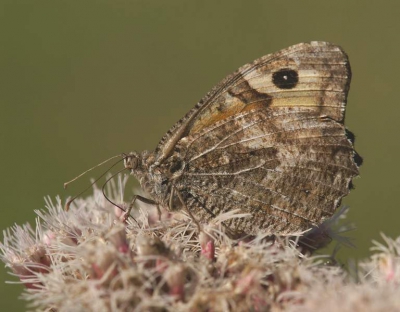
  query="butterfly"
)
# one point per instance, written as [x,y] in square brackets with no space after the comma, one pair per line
[268,141]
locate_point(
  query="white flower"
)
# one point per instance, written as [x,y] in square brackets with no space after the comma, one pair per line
[88,259]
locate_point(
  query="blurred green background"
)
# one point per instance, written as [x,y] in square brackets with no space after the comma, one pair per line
[84,80]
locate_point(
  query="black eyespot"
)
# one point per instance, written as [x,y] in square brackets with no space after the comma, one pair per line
[285,78]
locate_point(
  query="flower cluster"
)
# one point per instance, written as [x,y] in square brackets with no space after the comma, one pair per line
[90,259]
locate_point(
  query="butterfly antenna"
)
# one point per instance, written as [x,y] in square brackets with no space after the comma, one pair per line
[103,189]
[83,173]
[73,198]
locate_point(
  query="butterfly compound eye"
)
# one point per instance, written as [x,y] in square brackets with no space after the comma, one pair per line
[131,161]
[285,78]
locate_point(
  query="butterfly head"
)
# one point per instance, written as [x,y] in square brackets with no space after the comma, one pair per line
[131,161]
[148,172]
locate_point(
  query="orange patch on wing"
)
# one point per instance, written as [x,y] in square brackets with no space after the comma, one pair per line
[207,119]
[258,105]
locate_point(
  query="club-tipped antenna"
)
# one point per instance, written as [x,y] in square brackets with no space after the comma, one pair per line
[66,207]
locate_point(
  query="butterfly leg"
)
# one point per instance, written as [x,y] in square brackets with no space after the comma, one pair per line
[174,190]
[144,200]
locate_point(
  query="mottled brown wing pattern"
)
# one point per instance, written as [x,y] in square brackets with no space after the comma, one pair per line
[269,140]
[284,168]
[325,79]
